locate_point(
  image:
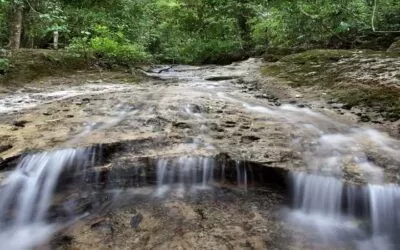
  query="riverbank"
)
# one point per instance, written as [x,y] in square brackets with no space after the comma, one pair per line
[366,83]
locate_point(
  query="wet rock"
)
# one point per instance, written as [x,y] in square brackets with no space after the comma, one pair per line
[393,117]
[82,206]
[85,100]
[220,78]
[263,96]
[181,125]
[5,147]
[136,220]
[292,102]
[365,118]
[46,113]
[245,127]
[301,105]
[249,138]
[230,124]
[189,140]
[69,116]
[194,108]
[20,123]
[103,226]
[213,126]
[394,47]
[346,106]
[61,241]
[201,212]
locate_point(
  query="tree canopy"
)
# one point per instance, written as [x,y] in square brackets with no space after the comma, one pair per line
[197,31]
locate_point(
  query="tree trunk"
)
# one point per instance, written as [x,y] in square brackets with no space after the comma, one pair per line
[242,15]
[55,39]
[244,30]
[16,27]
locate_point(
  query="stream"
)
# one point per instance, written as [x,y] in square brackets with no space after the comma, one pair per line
[192,158]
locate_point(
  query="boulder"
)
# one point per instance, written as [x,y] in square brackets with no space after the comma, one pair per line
[394,47]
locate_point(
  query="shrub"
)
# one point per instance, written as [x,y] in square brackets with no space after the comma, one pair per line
[4,65]
[112,47]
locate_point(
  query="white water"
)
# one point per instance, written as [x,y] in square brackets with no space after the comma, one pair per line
[188,174]
[26,196]
[368,216]
[184,174]
[30,99]
[385,209]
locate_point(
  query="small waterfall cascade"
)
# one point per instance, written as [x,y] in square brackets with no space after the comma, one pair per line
[184,173]
[385,212]
[241,175]
[317,195]
[26,196]
[367,215]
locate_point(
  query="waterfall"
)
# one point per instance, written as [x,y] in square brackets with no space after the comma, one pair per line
[385,212]
[317,195]
[241,175]
[26,196]
[368,215]
[185,174]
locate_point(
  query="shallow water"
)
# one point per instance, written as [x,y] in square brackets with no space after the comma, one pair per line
[333,153]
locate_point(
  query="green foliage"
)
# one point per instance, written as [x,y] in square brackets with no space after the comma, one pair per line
[199,31]
[4,65]
[113,47]
[4,23]
[340,24]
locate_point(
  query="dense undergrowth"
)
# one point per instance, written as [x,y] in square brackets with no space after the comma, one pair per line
[201,31]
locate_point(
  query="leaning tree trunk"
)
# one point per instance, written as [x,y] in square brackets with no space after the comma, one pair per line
[16,27]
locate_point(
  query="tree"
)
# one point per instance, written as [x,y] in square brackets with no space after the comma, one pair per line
[16,24]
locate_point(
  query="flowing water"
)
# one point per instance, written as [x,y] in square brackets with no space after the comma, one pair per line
[364,215]
[184,174]
[341,192]
[27,195]
[367,215]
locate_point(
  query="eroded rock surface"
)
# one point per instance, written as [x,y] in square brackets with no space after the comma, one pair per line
[200,111]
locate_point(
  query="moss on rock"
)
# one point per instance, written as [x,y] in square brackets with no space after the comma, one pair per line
[356,78]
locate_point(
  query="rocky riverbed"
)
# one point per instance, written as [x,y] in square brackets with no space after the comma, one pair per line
[178,111]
